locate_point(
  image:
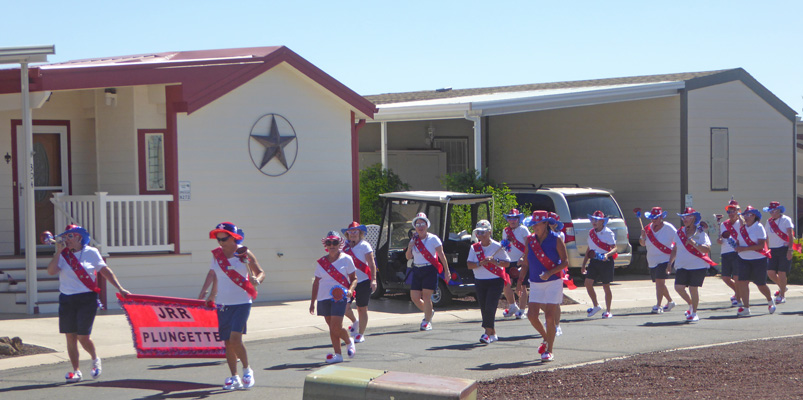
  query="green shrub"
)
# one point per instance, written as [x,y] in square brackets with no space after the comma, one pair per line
[796,274]
[374,181]
[472,182]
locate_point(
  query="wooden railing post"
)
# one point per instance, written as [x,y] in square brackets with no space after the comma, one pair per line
[100,223]
[59,220]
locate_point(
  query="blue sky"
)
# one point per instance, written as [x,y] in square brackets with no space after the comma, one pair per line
[379,47]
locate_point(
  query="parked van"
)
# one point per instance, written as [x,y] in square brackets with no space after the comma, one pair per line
[574,203]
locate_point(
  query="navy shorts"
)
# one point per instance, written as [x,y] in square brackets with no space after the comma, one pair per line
[659,271]
[690,277]
[753,270]
[77,312]
[730,264]
[600,271]
[232,319]
[778,262]
[425,277]
[362,293]
[331,308]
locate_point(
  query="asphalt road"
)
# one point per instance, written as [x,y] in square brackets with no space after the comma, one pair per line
[450,349]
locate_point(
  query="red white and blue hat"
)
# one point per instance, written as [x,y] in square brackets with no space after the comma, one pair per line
[690,211]
[599,216]
[79,230]
[537,217]
[355,225]
[555,220]
[423,217]
[751,210]
[732,204]
[332,235]
[774,205]
[514,213]
[656,212]
[229,228]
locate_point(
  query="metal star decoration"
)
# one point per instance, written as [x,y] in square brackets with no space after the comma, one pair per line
[274,145]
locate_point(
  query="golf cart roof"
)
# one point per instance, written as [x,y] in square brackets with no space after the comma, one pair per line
[439,197]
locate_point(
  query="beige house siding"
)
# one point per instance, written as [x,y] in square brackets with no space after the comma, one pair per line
[629,147]
[761,149]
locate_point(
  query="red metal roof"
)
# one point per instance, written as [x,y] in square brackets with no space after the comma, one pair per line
[204,75]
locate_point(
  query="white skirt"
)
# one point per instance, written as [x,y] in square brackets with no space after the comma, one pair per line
[549,292]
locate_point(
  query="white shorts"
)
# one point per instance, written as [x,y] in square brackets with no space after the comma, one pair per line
[550,292]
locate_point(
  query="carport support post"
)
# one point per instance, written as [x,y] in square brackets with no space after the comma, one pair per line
[31,287]
[477,120]
[383,146]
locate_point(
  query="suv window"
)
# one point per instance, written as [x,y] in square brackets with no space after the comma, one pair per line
[583,205]
[529,202]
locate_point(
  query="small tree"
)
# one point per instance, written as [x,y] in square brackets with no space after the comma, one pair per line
[472,182]
[374,181]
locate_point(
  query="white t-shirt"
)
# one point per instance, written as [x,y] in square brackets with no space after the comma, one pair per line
[344,264]
[665,235]
[726,248]
[606,236]
[686,260]
[784,224]
[228,293]
[756,232]
[521,232]
[431,242]
[494,247]
[89,258]
[360,250]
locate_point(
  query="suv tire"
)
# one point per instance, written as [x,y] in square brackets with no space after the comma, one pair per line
[442,296]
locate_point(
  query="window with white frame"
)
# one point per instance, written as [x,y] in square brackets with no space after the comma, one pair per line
[154,160]
[719,158]
[456,149]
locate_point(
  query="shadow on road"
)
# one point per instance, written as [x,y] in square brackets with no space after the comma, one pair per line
[660,324]
[167,388]
[297,367]
[193,365]
[31,387]
[513,365]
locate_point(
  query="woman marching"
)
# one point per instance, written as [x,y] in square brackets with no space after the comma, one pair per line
[335,281]
[601,252]
[488,260]
[546,257]
[690,257]
[781,240]
[556,226]
[658,236]
[233,275]
[77,265]
[423,250]
[513,238]
[753,253]
[729,258]
[363,256]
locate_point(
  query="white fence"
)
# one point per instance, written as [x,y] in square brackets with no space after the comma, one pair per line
[118,224]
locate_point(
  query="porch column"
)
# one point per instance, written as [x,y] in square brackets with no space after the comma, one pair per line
[31,287]
[477,120]
[383,146]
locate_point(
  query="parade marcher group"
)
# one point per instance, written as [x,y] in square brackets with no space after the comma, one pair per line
[429,265]
[658,237]
[489,261]
[601,253]
[362,254]
[690,257]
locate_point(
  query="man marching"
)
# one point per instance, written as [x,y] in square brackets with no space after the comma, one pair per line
[728,235]
[753,253]
[780,239]
[691,260]
[601,252]
[658,236]
[513,238]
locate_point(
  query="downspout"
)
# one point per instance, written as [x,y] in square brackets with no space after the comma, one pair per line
[383,144]
[477,120]
[684,147]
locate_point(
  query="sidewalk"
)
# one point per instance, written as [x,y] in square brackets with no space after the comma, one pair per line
[268,320]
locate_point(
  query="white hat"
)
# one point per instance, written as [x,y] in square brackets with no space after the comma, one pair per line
[421,216]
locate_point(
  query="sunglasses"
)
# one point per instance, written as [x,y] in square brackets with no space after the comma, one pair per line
[332,243]
[221,240]
[420,224]
[732,212]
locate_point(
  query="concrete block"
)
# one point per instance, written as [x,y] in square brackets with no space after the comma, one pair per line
[336,382]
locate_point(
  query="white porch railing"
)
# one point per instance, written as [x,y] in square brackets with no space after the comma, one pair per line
[118,223]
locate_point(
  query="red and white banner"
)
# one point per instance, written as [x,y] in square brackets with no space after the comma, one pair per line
[170,327]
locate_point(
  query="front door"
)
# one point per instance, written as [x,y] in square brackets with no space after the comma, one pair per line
[51,175]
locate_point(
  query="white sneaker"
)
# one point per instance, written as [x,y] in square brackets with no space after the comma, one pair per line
[74,376]
[657,309]
[334,358]
[96,368]
[485,339]
[593,310]
[494,338]
[772,308]
[354,328]
[511,310]
[546,357]
[607,314]
[669,306]
[351,350]
[426,326]
[359,338]
[248,378]
[558,331]
[232,383]
[519,314]
[743,312]
[780,300]
[692,317]
[734,302]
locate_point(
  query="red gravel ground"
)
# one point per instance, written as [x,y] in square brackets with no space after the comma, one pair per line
[766,369]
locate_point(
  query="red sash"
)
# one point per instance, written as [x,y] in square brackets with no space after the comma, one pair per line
[333,272]
[777,230]
[548,263]
[79,270]
[514,240]
[729,226]
[494,269]
[361,265]
[655,242]
[605,246]
[750,242]
[235,276]
[419,244]
[692,250]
